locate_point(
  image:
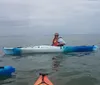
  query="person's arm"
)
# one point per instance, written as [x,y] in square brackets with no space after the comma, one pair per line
[61,41]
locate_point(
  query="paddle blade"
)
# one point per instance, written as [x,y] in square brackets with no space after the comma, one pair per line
[43,81]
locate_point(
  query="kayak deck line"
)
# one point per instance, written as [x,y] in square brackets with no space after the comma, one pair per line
[43,80]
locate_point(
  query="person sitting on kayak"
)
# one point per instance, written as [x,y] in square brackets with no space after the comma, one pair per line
[58,41]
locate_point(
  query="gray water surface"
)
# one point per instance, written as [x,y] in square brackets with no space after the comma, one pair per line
[63,69]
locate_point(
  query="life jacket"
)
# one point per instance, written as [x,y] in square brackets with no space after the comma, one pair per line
[55,42]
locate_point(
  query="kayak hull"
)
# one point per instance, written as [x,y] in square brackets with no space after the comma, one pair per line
[6,71]
[48,49]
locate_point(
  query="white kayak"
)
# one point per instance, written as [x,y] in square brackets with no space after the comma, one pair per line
[48,49]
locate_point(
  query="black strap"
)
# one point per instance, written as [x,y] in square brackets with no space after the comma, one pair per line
[1,67]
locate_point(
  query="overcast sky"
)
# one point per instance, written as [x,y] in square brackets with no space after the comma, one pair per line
[49,16]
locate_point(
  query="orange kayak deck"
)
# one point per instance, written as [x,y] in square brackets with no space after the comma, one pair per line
[43,80]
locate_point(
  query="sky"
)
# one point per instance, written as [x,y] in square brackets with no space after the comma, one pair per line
[26,17]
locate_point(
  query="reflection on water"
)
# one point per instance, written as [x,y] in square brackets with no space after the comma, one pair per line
[85,80]
[60,58]
[63,69]
[56,60]
[7,79]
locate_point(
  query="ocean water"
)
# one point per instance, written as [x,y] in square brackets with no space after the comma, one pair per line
[63,69]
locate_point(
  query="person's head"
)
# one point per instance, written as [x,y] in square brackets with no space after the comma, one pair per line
[56,34]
